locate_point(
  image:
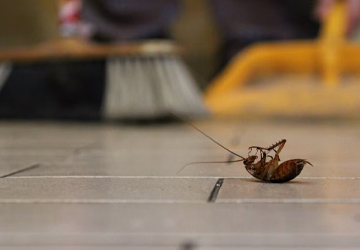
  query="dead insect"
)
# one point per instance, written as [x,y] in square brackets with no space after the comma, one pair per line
[264,169]
[270,170]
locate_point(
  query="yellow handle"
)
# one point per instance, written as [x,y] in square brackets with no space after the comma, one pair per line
[334,25]
[332,36]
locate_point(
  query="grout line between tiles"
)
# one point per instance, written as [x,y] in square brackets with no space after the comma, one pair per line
[168,239]
[21,170]
[290,201]
[155,177]
[119,177]
[216,190]
[144,201]
[213,234]
[96,201]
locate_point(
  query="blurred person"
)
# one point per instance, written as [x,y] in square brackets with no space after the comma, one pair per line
[128,20]
[241,22]
[245,22]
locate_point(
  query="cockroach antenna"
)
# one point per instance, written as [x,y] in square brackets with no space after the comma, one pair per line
[204,162]
[190,124]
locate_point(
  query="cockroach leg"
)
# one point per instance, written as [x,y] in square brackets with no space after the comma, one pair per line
[281,144]
[270,157]
[308,163]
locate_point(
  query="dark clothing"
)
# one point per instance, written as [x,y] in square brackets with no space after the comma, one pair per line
[54,90]
[124,20]
[259,19]
[243,22]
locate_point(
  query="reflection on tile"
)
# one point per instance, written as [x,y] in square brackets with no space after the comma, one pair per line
[170,167]
[163,150]
[156,211]
[270,225]
[128,189]
[137,167]
[298,190]
[25,135]
[34,155]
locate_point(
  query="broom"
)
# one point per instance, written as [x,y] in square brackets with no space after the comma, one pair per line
[154,86]
[144,80]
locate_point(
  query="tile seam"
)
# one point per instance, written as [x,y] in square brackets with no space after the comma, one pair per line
[144,201]
[150,177]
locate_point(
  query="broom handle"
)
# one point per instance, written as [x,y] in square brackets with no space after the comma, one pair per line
[334,25]
[331,39]
[77,49]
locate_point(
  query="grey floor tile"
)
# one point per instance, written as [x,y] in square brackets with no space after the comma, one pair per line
[137,166]
[255,225]
[162,151]
[312,211]
[17,135]
[35,155]
[12,160]
[274,248]
[105,189]
[298,190]
[141,151]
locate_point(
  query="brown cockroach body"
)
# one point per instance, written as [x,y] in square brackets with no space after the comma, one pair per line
[264,169]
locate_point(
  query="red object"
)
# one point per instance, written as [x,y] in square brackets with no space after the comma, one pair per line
[69,17]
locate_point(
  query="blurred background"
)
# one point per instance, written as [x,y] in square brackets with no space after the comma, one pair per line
[194,28]
[97,59]
[246,72]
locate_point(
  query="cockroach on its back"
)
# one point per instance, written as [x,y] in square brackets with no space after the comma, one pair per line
[263,169]
[270,170]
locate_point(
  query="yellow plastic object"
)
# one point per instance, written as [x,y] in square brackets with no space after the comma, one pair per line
[329,55]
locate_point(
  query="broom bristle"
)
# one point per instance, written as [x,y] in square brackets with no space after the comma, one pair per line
[150,87]
[5,70]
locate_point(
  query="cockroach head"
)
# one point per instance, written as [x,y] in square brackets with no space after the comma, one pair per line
[250,159]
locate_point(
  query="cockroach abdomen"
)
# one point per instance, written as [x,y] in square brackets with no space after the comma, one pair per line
[288,170]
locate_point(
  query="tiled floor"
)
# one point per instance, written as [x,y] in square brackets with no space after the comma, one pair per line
[101,186]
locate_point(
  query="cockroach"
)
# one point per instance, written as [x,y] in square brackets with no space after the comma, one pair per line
[264,169]
[271,171]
